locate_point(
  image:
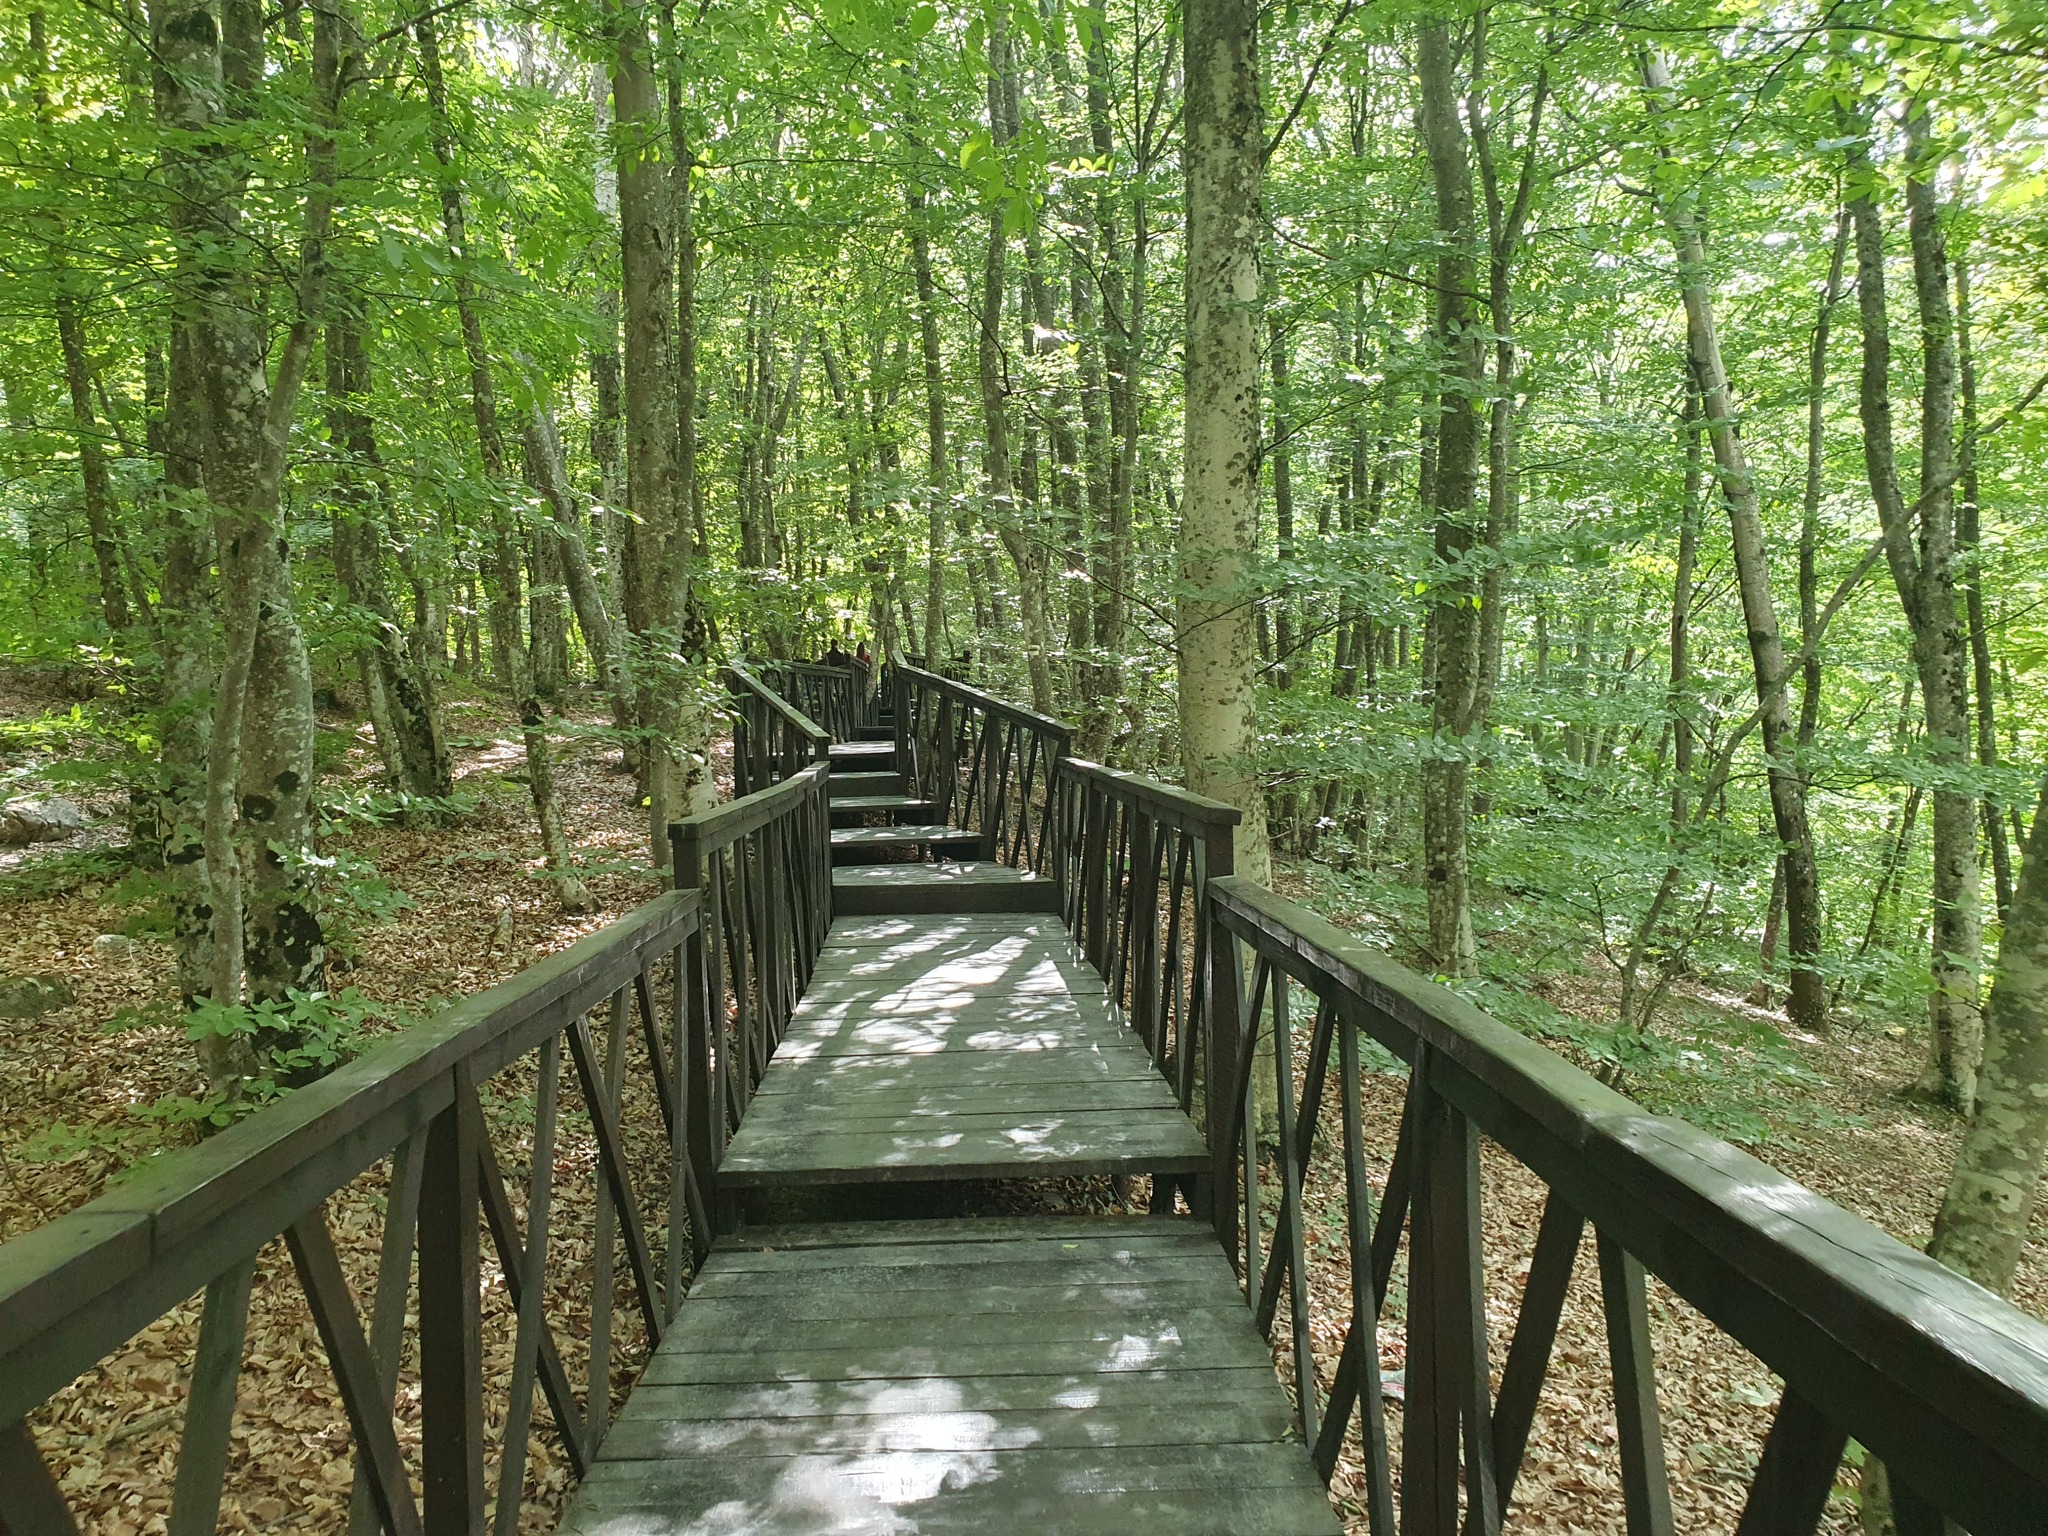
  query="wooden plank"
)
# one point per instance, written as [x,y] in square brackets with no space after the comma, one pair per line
[1646,1487]
[1082,1123]
[1266,1422]
[210,1403]
[1080,1357]
[1114,1492]
[780,1236]
[451,1324]
[31,1504]
[959,1270]
[1796,1473]
[362,1393]
[940,1073]
[1026,1034]
[1021,1101]
[910,1155]
[901,837]
[943,887]
[1062,1395]
[893,804]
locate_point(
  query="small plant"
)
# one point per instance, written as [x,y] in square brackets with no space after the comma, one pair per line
[293,1042]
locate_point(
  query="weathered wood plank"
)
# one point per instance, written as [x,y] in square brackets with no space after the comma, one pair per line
[1082,1376]
[644,1438]
[1065,1491]
[917,1362]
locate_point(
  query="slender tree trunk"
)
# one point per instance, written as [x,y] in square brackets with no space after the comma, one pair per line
[415,744]
[1637,997]
[1454,625]
[1806,1004]
[1919,546]
[512,664]
[92,465]
[1970,558]
[548,474]
[938,642]
[1006,511]
[1283,504]
[1123,304]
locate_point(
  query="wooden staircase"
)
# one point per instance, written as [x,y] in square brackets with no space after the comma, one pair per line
[890,854]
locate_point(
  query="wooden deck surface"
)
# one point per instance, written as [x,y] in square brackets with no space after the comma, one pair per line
[961,1046]
[896,1378]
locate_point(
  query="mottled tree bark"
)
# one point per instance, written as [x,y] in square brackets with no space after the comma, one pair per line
[1919,545]
[1997,1179]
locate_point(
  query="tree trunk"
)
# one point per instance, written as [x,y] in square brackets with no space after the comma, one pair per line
[666,641]
[410,727]
[547,473]
[1997,1178]
[92,465]
[1454,622]
[938,642]
[1919,543]
[1005,510]
[1283,505]
[1638,999]
[1970,557]
[1806,1003]
[511,663]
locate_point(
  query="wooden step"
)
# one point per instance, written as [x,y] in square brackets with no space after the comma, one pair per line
[858,786]
[975,885]
[900,806]
[877,732]
[862,756]
[902,837]
[853,845]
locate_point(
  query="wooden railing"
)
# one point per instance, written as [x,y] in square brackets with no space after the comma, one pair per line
[762,867]
[839,698]
[772,739]
[1875,1341]
[425,1103]
[1134,859]
[985,765]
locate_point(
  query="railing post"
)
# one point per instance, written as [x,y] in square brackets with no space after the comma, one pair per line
[451,1322]
[1221,1021]
[698,1107]
[899,711]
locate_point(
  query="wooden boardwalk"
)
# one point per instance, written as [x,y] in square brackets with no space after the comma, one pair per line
[977,1046]
[1070,1374]
[1064,1375]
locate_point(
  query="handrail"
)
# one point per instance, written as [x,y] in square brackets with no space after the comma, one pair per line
[1938,1377]
[963,693]
[836,696]
[1133,858]
[762,866]
[982,764]
[75,1290]
[771,738]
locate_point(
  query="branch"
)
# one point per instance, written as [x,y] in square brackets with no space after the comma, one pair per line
[1308,85]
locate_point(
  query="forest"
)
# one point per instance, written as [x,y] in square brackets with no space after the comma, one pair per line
[1567,472]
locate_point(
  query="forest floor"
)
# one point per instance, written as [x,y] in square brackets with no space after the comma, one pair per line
[80,1103]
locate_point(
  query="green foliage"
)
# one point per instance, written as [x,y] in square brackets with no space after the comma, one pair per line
[304,1037]
[59,874]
